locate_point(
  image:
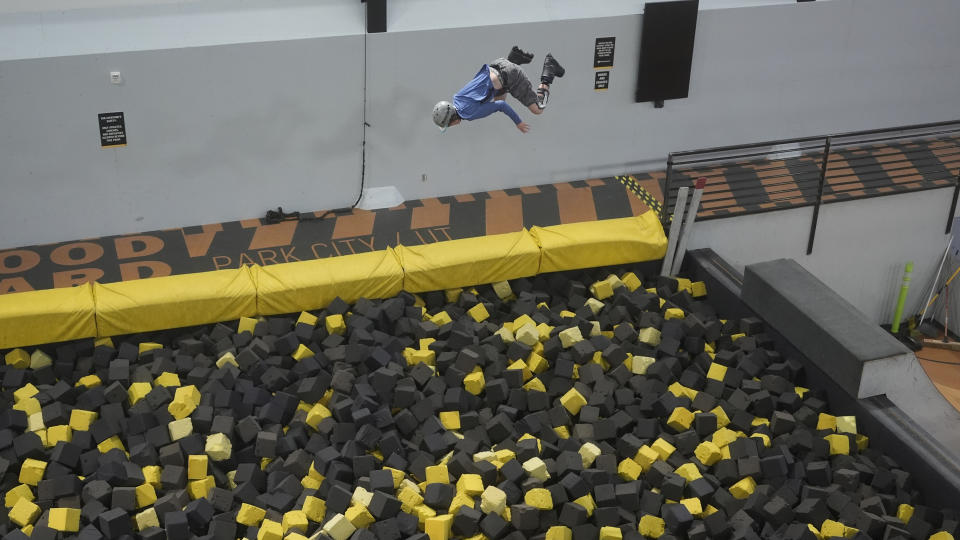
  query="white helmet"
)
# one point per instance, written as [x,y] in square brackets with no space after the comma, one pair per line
[442,114]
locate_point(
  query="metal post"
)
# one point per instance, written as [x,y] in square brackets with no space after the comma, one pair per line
[675,225]
[953,205]
[666,192]
[816,206]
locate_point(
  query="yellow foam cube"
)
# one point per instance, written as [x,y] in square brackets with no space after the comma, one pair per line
[314,508]
[196,467]
[629,469]
[167,379]
[570,336]
[295,520]
[535,384]
[693,504]
[639,364]
[270,530]
[651,526]
[335,324]
[589,453]
[503,290]
[680,419]
[57,434]
[717,372]
[826,421]
[474,383]
[26,391]
[146,519]
[185,400]
[539,498]
[302,352]
[587,503]
[13,496]
[744,488]
[31,472]
[471,484]
[200,489]
[40,360]
[904,513]
[478,313]
[18,358]
[439,527]
[536,468]
[24,513]
[28,405]
[317,414]
[573,401]
[698,289]
[338,527]
[559,532]
[631,281]
[942,535]
[145,494]
[663,448]
[138,391]
[610,533]
[450,419]
[650,335]
[708,453]
[151,475]
[601,290]
[689,472]
[839,444]
[359,516]
[646,456]
[227,358]
[723,436]
[846,424]
[674,313]
[493,500]
[180,428]
[437,474]
[89,381]
[218,447]
[830,528]
[250,515]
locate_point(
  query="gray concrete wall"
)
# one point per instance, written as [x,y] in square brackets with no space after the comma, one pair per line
[859,251]
[759,73]
[214,134]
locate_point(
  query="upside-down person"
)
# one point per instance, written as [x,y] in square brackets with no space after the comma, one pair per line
[483,95]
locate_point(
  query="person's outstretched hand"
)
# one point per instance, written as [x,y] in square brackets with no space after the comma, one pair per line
[523,126]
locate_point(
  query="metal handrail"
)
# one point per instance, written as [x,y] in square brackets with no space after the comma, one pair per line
[827,146]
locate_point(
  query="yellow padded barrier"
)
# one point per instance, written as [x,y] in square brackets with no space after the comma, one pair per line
[47,316]
[160,303]
[600,243]
[470,261]
[306,285]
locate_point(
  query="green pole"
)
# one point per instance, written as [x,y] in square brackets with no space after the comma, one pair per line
[903,298]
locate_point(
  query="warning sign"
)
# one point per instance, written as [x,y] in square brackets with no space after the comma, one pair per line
[113,130]
[601,80]
[603,52]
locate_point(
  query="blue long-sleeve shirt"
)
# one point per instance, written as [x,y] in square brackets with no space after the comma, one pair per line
[473,100]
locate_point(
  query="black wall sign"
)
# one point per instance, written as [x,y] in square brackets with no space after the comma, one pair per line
[113,130]
[601,80]
[603,52]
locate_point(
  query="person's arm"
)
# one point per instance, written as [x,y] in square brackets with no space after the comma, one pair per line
[506,109]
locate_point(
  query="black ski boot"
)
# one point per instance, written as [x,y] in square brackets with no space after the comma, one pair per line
[518,56]
[551,69]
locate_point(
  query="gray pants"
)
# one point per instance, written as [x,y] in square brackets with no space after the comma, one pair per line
[515,81]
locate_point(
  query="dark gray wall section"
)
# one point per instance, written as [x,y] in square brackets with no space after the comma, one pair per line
[827,329]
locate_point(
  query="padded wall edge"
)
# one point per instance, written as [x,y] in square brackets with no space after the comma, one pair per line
[47,316]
